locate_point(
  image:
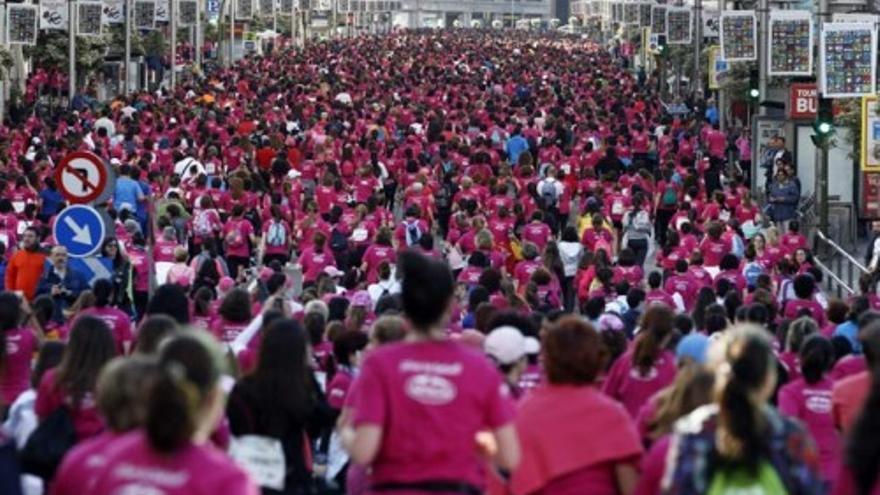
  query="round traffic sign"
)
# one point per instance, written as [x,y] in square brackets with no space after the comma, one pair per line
[81,229]
[81,177]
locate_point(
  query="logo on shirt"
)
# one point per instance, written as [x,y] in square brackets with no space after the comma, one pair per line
[431,390]
[819,404]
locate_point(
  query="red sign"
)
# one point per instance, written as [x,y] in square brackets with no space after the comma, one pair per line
[81,177]
[803,101]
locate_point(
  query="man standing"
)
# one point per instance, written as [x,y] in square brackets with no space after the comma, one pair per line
[772,155]
[26,265]
[61,282]
[516,145]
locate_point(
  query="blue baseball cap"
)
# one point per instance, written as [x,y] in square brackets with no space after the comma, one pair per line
[693,346]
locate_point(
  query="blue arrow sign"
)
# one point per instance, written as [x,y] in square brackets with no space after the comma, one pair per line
[80,229]
[93,268]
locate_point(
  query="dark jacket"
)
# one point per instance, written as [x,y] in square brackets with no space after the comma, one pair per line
[784,198]
[73,284]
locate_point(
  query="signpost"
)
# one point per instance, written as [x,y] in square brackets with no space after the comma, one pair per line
[80,229]
[803,102]
[82,177]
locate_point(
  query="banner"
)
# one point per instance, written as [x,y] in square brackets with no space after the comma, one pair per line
[163,10]
[88,18]
[658,19]
[21,24]
[645,14]
[849,56]
[187,12]
[678,25]
[144,14]
[53,14]
[790,44]
[287,6]
[717,68]
[739,35]
[855,18]
[631,13]
[114,11]
[244,9]
[267,8]
[870,135]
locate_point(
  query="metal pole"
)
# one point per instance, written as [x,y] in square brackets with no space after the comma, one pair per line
[231,31]
[722,93]
[763,21]
[7,73]
[71,50]
[172,4]
[822,173]
[198,43]
[127,58]
[697,83]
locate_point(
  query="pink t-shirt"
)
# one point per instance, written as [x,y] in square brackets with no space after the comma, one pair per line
[632,388]
[134,467]
[812,404]
[235,234]
[21,344]
[537,233]
[430,398]
[82,465]
[338,388]
[794,306]
[118,321]
[313,263]
[652,467]
[86,420]
[226,331]
[164,251]
[374,256]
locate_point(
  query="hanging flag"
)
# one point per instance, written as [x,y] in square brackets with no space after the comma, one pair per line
[163,11]
[849,59]
[144,14]
[790,44]
[188,11]
[53,14]
[679,25]
[88,18]
[21,24]
[114,11]
[739,35]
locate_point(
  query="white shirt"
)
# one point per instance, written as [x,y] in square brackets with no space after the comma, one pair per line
[376,290]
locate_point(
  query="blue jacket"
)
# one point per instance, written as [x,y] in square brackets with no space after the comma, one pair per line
[784,200]
[515,146]
[74,282]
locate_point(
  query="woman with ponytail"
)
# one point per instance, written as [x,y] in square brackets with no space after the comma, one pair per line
[425,409]
[739,443]
[171,454]
[648,366]
[808,399]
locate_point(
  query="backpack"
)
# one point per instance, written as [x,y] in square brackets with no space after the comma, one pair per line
[641,221]
[338,241]
[669,197]
[202,226]
[47,445]
[413,233]
[549,194]
[751,272]
[741,482]
[276,235]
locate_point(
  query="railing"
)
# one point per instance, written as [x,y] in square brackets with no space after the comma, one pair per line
[841,270]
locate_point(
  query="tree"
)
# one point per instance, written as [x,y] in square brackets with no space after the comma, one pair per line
[51,52]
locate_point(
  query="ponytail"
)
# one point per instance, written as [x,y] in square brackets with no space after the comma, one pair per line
[186,377]
[741,417]
[171,398]
[656,325]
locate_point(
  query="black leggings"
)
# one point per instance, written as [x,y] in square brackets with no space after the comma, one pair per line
[640,248]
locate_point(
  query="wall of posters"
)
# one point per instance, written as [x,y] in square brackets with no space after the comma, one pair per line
[631,13]
[187,12]
[645,14]
[658,19]
[849,56]
[679,24]
[267,8]
[739,35]
[144,14]
[790,44]
[244,9]
[88,18]
[53,14]
[114,11]
[21,24]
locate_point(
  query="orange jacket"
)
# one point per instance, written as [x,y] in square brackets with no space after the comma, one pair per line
[24,271]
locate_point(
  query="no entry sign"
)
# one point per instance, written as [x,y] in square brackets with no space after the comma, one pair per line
[82,177]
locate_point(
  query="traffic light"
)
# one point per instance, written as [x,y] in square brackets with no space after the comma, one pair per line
[661,44]
[823,126]
[754,93]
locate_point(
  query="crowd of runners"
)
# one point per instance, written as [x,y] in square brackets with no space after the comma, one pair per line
[428,262]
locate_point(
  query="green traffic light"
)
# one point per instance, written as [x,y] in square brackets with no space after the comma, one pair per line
[754,93]
[824,127]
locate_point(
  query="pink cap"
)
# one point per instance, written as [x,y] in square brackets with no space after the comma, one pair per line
[362,298]
[266,273]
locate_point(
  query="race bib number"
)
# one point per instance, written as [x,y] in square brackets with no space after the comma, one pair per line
[262,458]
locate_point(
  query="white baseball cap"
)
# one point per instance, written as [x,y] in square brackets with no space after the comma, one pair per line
[507,345]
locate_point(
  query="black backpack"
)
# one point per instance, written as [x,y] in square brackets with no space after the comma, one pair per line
[338,241]
[47,445]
